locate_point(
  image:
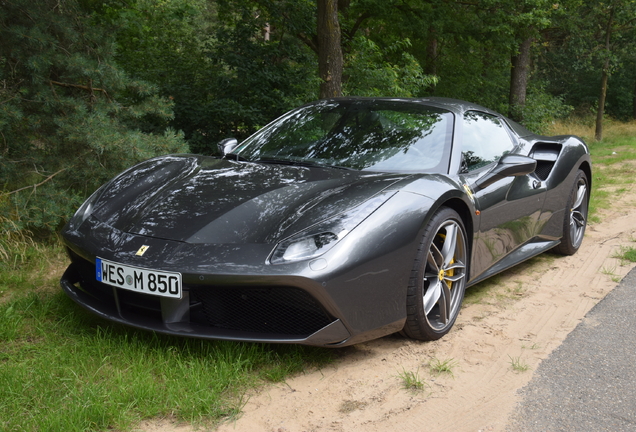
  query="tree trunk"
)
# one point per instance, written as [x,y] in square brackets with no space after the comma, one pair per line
[598,134]
[519,80]
[330,61]
[431,52]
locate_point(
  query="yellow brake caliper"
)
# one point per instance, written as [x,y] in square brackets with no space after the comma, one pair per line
[450,272]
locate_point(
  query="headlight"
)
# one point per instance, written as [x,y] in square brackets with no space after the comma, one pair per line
[319,238]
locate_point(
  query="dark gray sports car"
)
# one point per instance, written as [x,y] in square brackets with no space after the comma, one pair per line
[342,221]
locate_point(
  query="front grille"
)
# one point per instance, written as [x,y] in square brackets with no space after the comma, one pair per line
[274,310]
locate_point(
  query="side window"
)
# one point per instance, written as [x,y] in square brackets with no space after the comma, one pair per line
[485,140]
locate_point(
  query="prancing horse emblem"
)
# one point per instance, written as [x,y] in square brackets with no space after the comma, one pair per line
[142,250]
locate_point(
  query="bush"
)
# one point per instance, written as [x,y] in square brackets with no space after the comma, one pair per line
[542,109]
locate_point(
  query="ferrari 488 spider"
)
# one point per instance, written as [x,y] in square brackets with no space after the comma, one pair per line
[341,221]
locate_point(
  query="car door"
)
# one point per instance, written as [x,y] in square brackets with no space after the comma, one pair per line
[510,208]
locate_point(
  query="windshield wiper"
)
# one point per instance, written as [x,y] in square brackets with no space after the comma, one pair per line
[302,163]
[236,157]
[278,161]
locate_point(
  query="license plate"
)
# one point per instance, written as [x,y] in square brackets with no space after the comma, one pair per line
[154,282]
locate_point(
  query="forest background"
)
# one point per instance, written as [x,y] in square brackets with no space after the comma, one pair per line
[88,87]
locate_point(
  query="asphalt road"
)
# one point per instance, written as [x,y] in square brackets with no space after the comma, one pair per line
[589,382]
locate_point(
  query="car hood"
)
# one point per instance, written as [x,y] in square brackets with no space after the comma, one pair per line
[200,199]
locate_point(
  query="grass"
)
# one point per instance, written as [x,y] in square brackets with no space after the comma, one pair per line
[439,367]
[497,292]
[62,368]
[411,380]
[610,271]
[518,365]
[517,291]
[483,292]
[627,253]
[534,346]
[25,264]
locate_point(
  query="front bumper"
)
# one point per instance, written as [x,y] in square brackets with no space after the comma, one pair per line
[276,314]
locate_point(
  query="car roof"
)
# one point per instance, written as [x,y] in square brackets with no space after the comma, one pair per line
[456,106]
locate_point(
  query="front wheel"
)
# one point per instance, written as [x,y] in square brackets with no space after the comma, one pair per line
[438,280]
[576,216]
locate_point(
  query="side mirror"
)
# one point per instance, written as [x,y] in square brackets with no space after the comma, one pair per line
[509,165]
[226,145]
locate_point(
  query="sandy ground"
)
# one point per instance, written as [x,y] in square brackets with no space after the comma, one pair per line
[518,317]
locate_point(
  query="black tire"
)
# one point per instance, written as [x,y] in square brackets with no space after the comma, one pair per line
[438,280]
[575,219]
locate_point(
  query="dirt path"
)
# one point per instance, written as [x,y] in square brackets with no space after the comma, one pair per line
[519,317]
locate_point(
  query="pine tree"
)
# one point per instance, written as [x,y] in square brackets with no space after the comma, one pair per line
[70,118]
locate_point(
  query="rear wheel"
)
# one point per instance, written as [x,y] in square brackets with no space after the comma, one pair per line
[576,217]
[438,280]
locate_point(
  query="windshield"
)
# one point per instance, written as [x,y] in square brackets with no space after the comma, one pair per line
[364,135]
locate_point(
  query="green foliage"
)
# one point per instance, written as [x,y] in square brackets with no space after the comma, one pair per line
[226,78]
[70,117]
[575,52]
[542,109]
[90,87]
[256,79]
[461,46]
[369,73]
